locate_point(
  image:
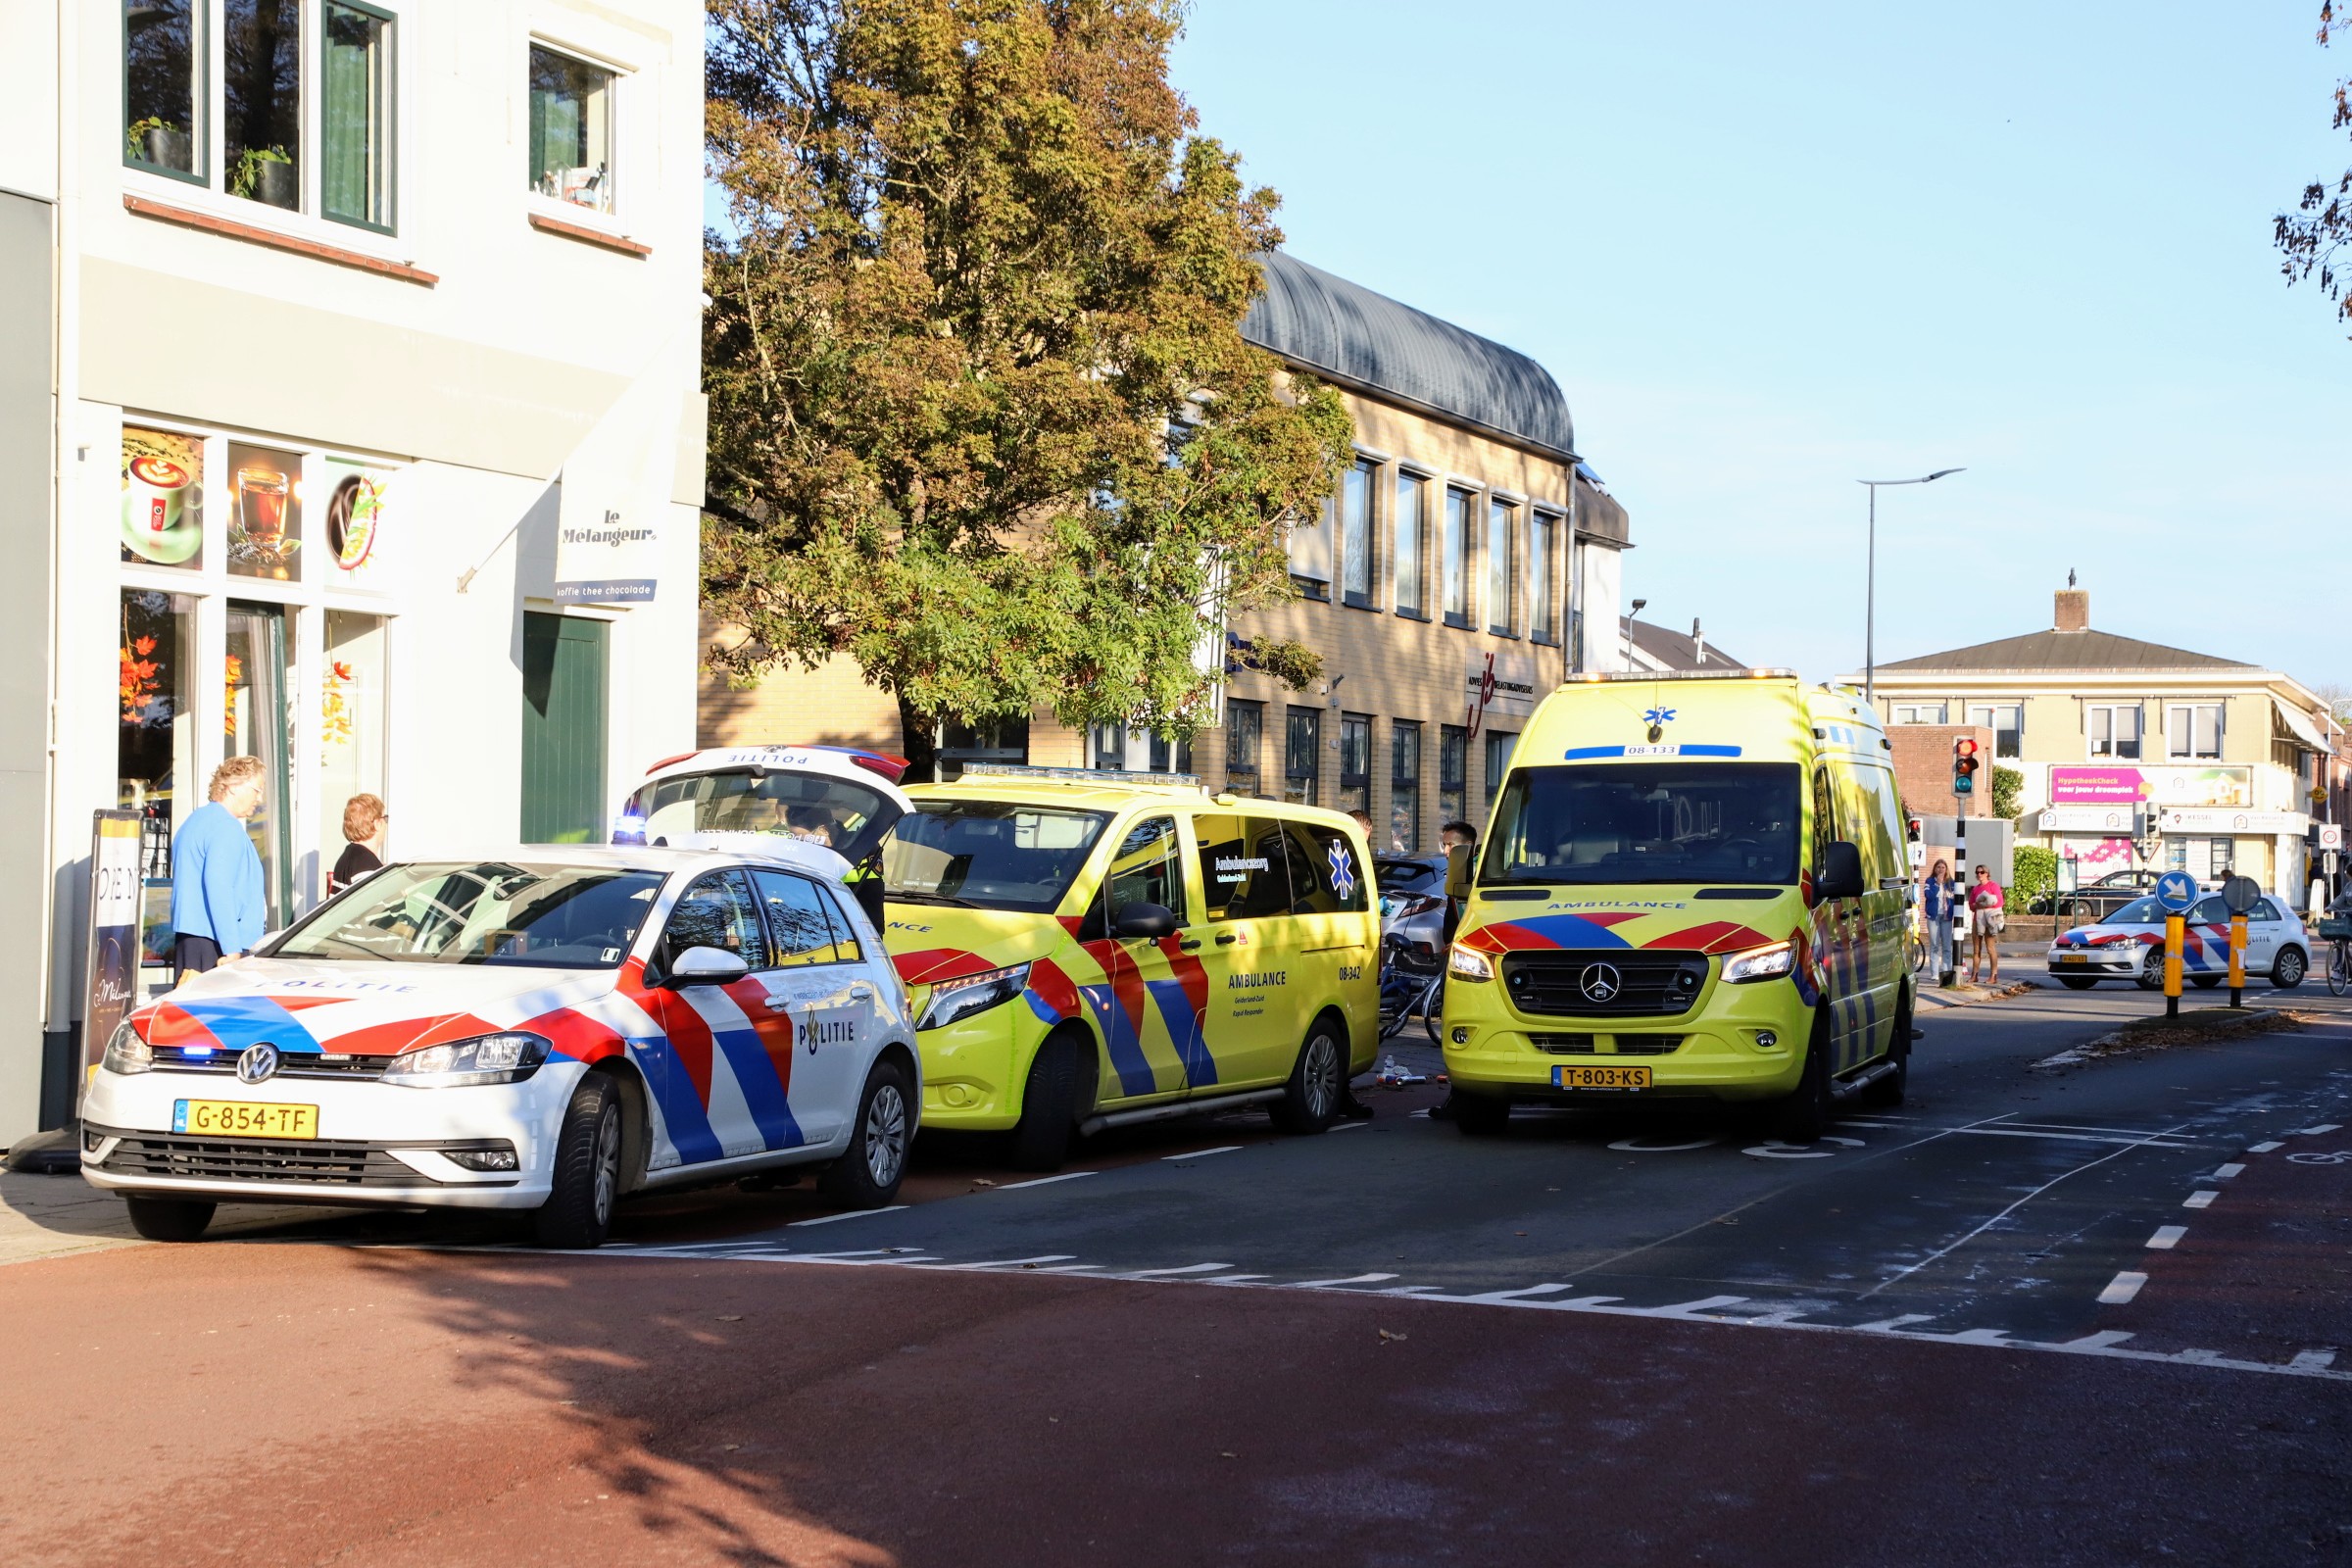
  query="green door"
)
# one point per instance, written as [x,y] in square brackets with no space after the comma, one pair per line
[562,729]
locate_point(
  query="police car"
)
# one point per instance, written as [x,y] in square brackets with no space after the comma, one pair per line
[549,1030]
[2128,945]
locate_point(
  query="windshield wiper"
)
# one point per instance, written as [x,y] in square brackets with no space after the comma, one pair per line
[911,896]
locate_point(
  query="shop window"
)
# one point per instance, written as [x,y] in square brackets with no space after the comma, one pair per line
[1453,768]
[1542,528]
[1244,728]
[264,517]
[1355,532]
[355,109]
[1456,563]
[2221,858]
[254,722]
[1355,763]
[163,499]
[2115,732]
[1503,521]
[2007,721]
[2192,730]
[1404,787]
[1921,713]
[162,86]
[571,129]
[351,721]
[1405,549]
[1301,755]
[155,750]
[1498,760]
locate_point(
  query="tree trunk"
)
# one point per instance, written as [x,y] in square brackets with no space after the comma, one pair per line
[920,738]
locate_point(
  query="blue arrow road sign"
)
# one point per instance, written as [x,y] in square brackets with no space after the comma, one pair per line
[2175,891]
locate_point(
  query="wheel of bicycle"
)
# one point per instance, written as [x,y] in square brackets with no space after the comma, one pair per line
[1432,1012]
[2339,970]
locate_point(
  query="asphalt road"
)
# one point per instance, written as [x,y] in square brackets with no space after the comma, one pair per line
[2063,1314]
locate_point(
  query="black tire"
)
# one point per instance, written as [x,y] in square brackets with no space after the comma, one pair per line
[2205,982]
[578,1211]
[2339,972]
[2288,968]
[168,1219]
[1479,1115]
[2077,982]
[1041,1139]
[1889,1090]
[868,1172]
[1310,1100]
[1805,1114]
[2151,970]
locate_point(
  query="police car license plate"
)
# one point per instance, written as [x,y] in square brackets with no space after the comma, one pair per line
[1582,1077]
[2073,957]
[235,1118]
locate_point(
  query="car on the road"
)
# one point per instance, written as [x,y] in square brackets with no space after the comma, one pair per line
[549,1030]
[1412,905]
[2128,945]
[2096,899]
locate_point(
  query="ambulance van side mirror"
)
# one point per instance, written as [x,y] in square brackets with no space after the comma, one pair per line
[1147,922]
[1840,873]
[1457,870]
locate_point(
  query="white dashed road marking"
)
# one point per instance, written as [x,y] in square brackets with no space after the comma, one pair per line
[2199,1199]
[2168,1236]
[1204,1153]
[2121,1289]
[853,1213]
[2313,1132]
[2224,1172]
[2264,1149]
[2314,1360]
[1047,1181]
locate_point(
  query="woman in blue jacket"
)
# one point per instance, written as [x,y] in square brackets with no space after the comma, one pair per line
[1935,908]
[218,906]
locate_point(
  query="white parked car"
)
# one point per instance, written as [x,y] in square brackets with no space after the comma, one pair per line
[2128,945]
[550,1031]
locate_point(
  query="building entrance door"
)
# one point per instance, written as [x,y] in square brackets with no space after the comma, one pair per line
[253,723]
[564,680]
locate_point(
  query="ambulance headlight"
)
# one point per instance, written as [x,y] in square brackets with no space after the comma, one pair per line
[126,1051]
[1760,963]
[1464,964]
[953,1001]
[507,1058]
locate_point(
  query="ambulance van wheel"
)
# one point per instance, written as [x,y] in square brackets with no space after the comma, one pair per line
[578,1211]
[1311,1099]
[1479,1115]
[1889,1090]
[866,1175]
[1041,1139]
[1805,1114]
[168,1219]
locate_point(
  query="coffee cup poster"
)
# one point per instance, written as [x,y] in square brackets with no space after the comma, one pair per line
[163,498]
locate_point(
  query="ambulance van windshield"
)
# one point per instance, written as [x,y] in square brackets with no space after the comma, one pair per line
[987,854]
[1647,822]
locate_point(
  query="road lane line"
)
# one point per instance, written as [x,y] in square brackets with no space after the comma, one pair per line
[1046,1181]
[1160,1273]
[1347,1126]
[2121,1289]
[2097,1341]
[1353,1279]
[1887,1325]
[2224,1173]
[1232,1279]
[2201,1200]
[2324,1127]
[2264,1149]
[851,1213]
[1204,1153]
[2168,1236]
[999,1262]
[2314,1360]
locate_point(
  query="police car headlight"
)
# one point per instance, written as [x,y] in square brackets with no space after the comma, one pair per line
[953,1001]
[1464,964]
[127,1052]
[1760,963]
[507,1058]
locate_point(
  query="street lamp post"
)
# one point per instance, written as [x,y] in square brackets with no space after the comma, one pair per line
[1870,593]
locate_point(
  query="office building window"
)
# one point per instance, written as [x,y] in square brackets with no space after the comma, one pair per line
[2115,733]
[1404,787]
[1355,531]
[1453,769]
[260,105]
[1922,713]
[1301,755]
[1109,745]
[1355,763]
[1171,754]
[1503,521]
[1406,548]
[355,116]
[1310,549]
[2007,721]
[1542,529]
[164,99]
[2192,730]
[571,129]
[1455,565]
[1498,760]
[1245,726]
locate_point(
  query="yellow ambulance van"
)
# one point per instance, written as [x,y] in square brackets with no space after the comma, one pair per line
[1693,888]
[1089,948]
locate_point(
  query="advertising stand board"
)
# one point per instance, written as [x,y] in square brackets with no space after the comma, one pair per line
[110,978]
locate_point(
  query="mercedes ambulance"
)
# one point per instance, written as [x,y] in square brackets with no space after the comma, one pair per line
[1693,888]
[1089,948]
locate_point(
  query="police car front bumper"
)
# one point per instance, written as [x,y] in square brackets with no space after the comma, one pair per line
[2103,963]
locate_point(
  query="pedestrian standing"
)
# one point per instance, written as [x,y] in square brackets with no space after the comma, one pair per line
[363,825]
[1364,819]
[1935,908]
[1986,923]
[217,907]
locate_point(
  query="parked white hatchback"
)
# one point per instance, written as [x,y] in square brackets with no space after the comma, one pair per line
[2128,945]
[551,1032]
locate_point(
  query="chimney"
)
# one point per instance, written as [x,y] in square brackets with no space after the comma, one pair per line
[2074,610]
[1699,644]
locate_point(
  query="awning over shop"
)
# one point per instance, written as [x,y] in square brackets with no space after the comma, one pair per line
[2299,725]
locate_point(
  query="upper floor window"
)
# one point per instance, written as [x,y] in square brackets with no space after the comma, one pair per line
[571,129]
[301,131]
[1922,713]
[2115,732]
[1542,528]
[1406,552]
[1503,521]
[1355,532]
[2007,721]
[1455,557]
[2192,729]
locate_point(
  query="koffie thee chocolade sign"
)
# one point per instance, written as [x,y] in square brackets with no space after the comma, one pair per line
[606,559]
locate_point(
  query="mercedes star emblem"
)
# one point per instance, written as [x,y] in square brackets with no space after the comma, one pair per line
[1601,982]
[257,1063]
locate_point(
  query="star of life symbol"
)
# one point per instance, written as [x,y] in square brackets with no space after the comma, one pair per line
[1342,871]
[1658,715]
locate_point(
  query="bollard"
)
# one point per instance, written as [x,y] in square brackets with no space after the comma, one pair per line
[2237,959]
[2175,933]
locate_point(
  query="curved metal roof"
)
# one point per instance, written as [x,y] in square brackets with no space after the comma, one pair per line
[1369,341]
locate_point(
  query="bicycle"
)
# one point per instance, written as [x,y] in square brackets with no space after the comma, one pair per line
[2335,929]
[1404,993]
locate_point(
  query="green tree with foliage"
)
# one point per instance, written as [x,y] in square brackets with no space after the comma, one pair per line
[981,415]
[2032,873]
[2008,791]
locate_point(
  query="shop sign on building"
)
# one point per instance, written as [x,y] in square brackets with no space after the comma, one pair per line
[1501,686]
[2086,819]
[2100,784]
[2224,820]
[615,500]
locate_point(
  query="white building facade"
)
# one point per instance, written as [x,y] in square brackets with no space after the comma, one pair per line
[349,419]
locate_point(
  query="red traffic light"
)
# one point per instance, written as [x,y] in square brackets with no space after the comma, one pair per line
[1965,746]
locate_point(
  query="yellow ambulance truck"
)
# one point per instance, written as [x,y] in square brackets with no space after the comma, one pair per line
[1693,888]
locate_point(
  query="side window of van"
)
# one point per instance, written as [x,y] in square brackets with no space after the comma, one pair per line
[1147,868]
[1325,878]
[1825,814]
[1245,865]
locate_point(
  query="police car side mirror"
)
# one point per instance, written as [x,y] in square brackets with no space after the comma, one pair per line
[1144,922]
[708,966]
[1840,873]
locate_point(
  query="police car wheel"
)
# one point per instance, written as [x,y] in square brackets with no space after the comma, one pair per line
[2288,968]
[1804,1116]
[1311,1099]
[1479,1115]
[2077,982]
[868,1171]
[1041,1139]
[2151,970]
[578,1211]
[168,1219]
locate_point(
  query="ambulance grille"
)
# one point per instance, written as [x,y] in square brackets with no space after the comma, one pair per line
[1624,1044]
[1571,983]
[256,1160]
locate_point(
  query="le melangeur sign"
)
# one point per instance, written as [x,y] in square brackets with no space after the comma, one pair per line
[615,504]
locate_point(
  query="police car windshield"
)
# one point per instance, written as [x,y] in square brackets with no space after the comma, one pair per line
[1647,822]
[987,854]
[842,815]
[2139,912]
[493,913]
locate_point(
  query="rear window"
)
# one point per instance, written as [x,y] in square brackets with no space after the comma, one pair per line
[842,815]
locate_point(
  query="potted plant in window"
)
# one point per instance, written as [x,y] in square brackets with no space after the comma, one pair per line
[157,141]
[266,175]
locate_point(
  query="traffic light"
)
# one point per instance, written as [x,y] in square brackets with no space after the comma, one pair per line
[1911,828]
[1964,765]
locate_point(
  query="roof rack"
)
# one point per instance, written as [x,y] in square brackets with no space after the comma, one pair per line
[1078,775]
[1767,674]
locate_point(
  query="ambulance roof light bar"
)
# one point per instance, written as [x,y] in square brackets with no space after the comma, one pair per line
[1769,673]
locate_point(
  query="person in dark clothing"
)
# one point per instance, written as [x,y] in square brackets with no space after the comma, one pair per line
[364,822]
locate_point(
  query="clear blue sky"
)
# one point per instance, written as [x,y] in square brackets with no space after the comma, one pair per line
[1769,250]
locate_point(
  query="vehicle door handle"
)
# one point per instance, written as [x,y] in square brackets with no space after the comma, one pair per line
[779,1003]
[861,991]
[1189,945]
[1227,940]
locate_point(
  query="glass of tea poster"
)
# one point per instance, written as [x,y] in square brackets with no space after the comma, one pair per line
[265,520]
[163,498]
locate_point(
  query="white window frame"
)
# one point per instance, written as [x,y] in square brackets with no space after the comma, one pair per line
[1909,713]
[2180,731]
[618,170]
[1992,720]
[2091,735]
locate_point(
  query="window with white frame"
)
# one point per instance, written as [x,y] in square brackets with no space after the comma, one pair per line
[297,115]
[571,128]
[2192,729]
[2115,732]
[1922,713]
[2007,721]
